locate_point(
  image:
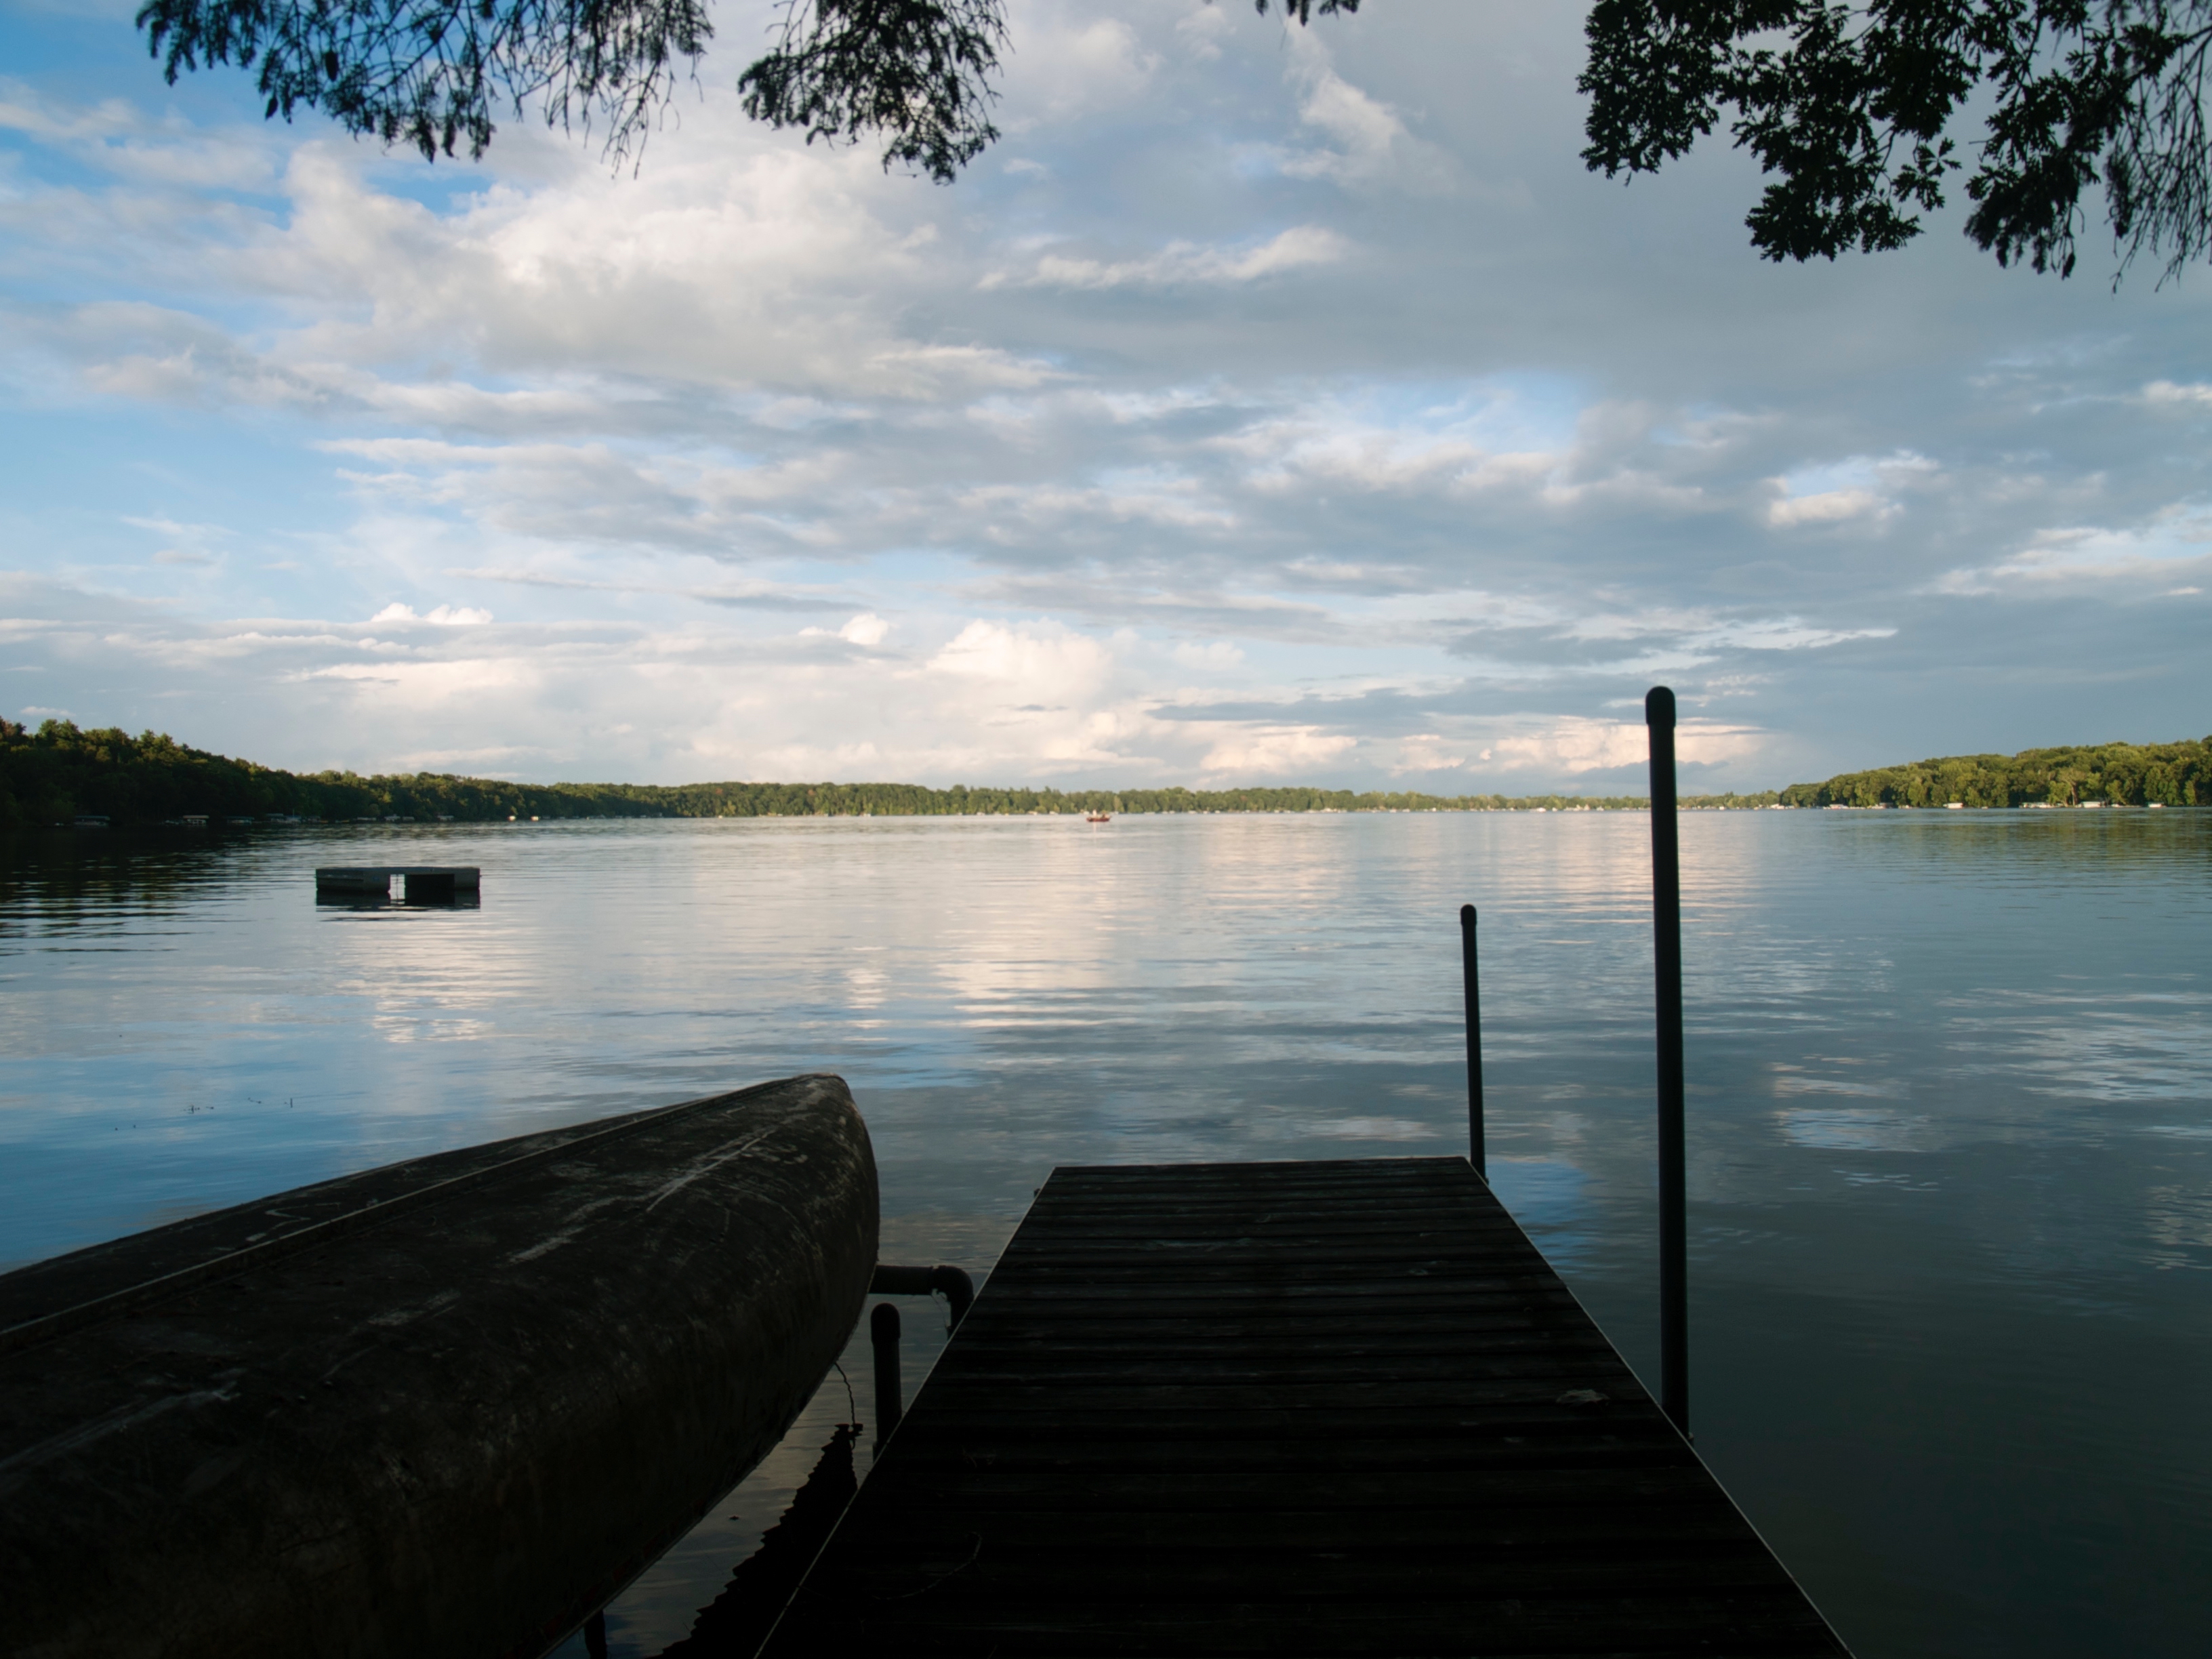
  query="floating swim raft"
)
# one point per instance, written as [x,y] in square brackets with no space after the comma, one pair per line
[449,1407]
[420,881]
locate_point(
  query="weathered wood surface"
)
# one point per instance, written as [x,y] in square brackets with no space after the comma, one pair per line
[447,1408]
[1288,1408]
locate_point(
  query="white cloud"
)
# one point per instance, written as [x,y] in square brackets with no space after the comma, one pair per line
[1201,32]
[1184,264]
[1367,142]
[1827,506]
[1274,752]
[1569,746]
[1777,634]
[116,136]
[2195,395]
[1219,656]
[445,616]
[438,687]
[1190,438]
[1577,746]
[864,630]
[2178,545]
[1072,64]
[1044,661]
[1163,500]
[770,264]
[1861,487]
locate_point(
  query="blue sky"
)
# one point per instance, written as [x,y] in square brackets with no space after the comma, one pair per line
[1270,404]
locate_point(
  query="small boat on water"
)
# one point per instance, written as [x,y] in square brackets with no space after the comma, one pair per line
[1099,818]
[449,1407]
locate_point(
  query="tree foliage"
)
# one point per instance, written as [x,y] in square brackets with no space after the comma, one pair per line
[50,776]
[432,74]
[1853,108]
[916,71]
[2116,773]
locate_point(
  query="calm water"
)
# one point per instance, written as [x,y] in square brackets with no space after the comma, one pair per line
[1950,1074]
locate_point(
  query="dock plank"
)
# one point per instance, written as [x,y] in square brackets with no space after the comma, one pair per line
[1339,1408]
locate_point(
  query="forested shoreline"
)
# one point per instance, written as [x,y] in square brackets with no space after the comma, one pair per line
[2109,774]
[59,773]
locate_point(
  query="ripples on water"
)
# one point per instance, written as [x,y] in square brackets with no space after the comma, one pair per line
[1951,1104]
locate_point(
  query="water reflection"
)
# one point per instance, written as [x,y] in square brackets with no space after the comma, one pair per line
[327,899]
[1951,1104]
[737,1620]
[1854,1131]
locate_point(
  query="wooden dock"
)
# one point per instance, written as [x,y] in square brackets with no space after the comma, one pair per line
[1287,1408]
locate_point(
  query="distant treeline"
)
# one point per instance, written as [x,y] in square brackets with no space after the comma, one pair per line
[2119,774]
[59,772]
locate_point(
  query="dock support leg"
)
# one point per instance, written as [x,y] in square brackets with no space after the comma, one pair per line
[883,1332]
[1473,1042]
[1666,956]
[595,1635]
[954,1285]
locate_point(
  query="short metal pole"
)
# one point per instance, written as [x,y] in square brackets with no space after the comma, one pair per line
[1667,954]
[883,1332]
[1474,1040]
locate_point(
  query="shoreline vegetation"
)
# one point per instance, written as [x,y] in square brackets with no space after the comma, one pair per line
[59,775]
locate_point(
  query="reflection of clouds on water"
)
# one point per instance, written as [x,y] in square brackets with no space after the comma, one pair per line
[2180,1221]
[400,1026]
[421,976]
[1373,1128]
[994,989]
[1873,1014]
[866,983]
[2101,1044]
[1549,1197]
[1793,1080]
[1853,1129]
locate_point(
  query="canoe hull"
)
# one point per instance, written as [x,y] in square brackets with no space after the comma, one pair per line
[456,1427]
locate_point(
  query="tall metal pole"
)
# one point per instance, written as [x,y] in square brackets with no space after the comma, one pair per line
[1667,953]
[1474,1040]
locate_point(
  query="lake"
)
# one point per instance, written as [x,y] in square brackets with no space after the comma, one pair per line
[1950,1104]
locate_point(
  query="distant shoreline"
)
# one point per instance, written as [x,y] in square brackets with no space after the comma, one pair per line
[2081,775]
[60,774]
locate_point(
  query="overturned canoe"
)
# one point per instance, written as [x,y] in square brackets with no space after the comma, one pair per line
[445,1407]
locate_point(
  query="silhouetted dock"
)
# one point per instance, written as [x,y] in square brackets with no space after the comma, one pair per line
[1287,1408]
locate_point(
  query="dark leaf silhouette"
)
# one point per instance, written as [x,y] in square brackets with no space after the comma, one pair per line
[431,73]
[1851,109]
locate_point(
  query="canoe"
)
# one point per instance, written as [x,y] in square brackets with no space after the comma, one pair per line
[449,1407]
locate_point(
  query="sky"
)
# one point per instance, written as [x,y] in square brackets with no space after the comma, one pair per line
[1269,405]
